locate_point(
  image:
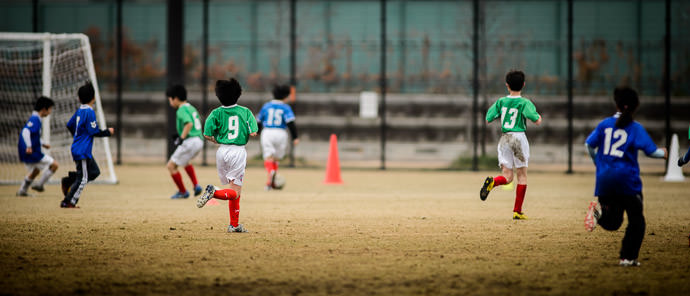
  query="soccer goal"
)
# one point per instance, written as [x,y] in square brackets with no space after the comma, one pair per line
[53,65]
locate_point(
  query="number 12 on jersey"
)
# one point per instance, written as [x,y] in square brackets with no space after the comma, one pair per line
[620,136]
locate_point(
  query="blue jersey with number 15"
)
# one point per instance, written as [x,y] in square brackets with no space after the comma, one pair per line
[618,172]
[275,114]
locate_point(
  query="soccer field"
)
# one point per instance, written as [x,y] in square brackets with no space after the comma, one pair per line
[387,233]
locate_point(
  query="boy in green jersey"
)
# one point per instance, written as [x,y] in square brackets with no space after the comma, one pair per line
[229,125]
[188,140]
[513,148]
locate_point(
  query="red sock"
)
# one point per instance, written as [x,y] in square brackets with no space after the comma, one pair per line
[177,177]
[500,180]
[269,168]
[225,194]
[234,208]
[519,197]
[192,175]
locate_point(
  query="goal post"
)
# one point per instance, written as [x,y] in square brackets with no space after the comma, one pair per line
[53,65]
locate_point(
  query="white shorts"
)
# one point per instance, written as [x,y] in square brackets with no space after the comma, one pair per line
[46,161]
[231,160]
[513,150]
[274,142]
[187,150]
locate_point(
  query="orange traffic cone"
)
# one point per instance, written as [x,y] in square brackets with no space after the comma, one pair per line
[333,164]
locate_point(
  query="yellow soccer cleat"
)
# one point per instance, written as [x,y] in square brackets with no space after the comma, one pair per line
[519,216]
[488,185]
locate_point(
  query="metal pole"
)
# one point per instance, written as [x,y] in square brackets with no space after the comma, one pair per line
[570,87]
[204,71]
[382,83]
[175,59]
[667,75]
[293,65]
[34,16]
[475,82]
[118,81]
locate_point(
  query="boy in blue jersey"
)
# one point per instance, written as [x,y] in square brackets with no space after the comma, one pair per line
[618,185]
[30,148]
[274,118]
[84,127]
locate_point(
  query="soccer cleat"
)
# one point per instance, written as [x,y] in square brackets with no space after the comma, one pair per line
[239,228]
[23,193]
[68,205]
[268,188]
[38,188]
[198,190]
[593,214]
[180,195]
[204,198]
[488,185]
[519,216]
[626,263]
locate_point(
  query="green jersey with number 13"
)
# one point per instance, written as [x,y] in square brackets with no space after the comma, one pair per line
[230,125]
[513,112]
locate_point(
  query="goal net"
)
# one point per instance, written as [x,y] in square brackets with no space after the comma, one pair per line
[52,65]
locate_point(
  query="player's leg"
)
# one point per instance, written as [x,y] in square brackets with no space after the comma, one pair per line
[634,233]
[685,159]
[74,193]
[268,152]
[51,167]
[520,193]
[178,159]
[28,179]
[505,161]
[195,145]
[611,213]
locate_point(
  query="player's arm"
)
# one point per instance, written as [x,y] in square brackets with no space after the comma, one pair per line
[26,137]
[185,131]
[592,142]
[72,124]
[538,122]
[493,112]
[210,128]
[646,144]
[252,124]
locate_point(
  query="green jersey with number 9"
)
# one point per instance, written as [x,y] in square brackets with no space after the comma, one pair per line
[230,125]
[186,113]
[513,112]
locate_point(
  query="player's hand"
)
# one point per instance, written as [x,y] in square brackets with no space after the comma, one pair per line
[253,134]
[29,150]
[210,139]
[538,122]
[177,141]
[111,130]
[46,146]
[665,152]
[295,142]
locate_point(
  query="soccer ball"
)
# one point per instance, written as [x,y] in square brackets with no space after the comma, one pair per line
[278,182]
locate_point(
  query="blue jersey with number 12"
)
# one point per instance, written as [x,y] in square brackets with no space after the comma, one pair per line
[618,172]
[275,114]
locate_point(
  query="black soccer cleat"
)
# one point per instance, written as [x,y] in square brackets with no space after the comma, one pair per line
[488,185]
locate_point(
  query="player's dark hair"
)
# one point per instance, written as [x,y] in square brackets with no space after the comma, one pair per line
[281,92]
[177,91]
[86,93]
[627,102]
[228,91]
[515,80]
[43,103]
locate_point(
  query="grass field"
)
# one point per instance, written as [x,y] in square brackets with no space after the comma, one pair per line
[387,233]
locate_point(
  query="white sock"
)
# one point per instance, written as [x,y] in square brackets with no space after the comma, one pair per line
[45,176]
[25,185]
